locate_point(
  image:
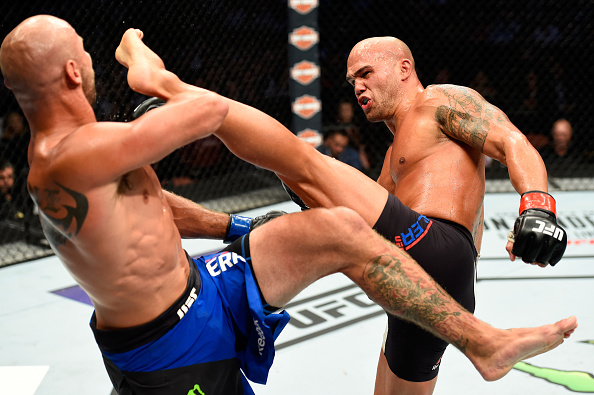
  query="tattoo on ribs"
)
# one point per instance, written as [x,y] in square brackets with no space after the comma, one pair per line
[49,202]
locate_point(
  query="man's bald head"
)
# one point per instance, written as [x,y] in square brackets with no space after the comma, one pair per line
[34,54]
[390,48]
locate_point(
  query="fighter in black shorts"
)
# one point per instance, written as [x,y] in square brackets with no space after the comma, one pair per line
[446,251]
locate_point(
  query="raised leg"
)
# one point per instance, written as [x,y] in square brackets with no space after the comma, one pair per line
[294,250]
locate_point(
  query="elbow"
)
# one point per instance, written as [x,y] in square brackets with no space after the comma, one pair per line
[218,108]
[518,148]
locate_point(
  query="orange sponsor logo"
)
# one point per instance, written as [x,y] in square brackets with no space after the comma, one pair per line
[304,37]
[305,72]
[307,106]
[310,136]
[303,6]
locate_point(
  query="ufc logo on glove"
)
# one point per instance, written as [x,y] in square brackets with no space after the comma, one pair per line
[550,230]
[536,235]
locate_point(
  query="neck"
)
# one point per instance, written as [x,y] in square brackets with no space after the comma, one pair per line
[60,111]
[409,97]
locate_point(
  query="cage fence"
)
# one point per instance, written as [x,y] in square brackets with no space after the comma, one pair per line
[531,59]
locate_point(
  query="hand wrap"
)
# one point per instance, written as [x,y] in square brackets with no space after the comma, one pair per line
[239,226]
[536,235]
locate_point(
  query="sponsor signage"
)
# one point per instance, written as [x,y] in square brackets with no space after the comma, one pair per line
[305,72]
[307,106]
[326,312]
[303,7]
[304,81]
[304,37]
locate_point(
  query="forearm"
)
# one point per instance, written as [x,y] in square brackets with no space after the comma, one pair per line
[196,221]
[526,168]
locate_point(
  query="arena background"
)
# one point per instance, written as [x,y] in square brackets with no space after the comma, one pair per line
[531,59]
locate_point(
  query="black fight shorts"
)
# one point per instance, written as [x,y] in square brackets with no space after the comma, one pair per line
[446,251]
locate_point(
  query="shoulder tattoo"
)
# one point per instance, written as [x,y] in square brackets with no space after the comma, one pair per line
[466,117]
[50,203]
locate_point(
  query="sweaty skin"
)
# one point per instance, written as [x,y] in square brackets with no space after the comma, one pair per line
[101,206]
[435,164]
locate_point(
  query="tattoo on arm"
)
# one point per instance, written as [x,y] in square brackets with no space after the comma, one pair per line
[49,202]
[468,117]
[463,126]
[426,306]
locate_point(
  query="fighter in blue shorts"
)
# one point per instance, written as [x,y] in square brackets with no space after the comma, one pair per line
[446,251]
[219,325]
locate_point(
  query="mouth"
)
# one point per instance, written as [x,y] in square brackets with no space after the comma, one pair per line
[364,102]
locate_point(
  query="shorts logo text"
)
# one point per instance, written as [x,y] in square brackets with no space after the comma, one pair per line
[414,233]
[261,337]
[221,263]
[189,302]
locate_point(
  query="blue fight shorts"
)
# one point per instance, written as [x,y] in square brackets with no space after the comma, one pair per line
[200,345]
[446,251]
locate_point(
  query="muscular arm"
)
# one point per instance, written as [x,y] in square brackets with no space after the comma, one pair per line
[118,148]
[464,115]
[196,221]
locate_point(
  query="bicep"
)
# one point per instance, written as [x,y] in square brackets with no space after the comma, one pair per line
[116,148]
[466,116]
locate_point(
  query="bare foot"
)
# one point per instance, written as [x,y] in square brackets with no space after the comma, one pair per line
[145,68]
[123,51]
[515,345]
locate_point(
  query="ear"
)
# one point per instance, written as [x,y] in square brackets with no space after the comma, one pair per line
[406,69]
[73,74]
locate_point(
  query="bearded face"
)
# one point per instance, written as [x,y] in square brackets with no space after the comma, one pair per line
[88,84]
[88,78]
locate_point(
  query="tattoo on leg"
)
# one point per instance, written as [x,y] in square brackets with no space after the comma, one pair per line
[423,305]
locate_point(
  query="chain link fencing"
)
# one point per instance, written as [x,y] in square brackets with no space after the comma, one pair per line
[531,59]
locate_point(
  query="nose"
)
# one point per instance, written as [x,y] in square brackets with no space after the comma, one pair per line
[359,87]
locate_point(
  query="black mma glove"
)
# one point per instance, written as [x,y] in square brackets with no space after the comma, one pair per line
[536,235]
[296,199]
[146,106]
[239,226]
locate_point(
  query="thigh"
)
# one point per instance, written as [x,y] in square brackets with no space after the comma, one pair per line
[296,249]
[332,183]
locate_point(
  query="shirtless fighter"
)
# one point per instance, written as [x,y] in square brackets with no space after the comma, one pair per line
[429,197]
[166,323]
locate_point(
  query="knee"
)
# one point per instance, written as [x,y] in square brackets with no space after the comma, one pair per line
[347,220]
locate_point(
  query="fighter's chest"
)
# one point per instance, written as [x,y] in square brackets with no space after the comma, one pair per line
[412,146]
